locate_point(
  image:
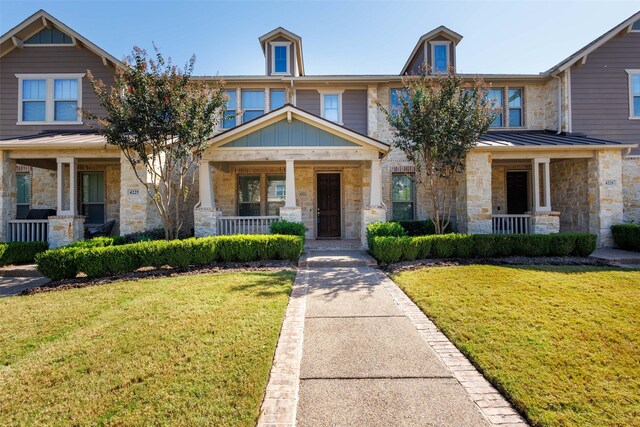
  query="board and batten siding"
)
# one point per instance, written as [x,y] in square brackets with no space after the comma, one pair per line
[600,91]
[354,107]
[47,60]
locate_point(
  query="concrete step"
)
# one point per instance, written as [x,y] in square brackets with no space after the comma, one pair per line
[336,258]
[618,256]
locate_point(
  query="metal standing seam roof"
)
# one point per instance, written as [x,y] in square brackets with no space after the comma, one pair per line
[543,139]
[55,138]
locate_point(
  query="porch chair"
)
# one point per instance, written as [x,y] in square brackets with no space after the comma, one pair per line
[103,230]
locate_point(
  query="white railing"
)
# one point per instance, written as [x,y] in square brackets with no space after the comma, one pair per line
[511,224]
[245,224]
[27,230]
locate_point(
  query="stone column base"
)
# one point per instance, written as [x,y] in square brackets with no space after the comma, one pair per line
[291,214]
[205,221]
[64,230]
[545,222]
[369,215]
[482,224]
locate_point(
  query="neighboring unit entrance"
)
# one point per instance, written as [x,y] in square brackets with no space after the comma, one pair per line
[328,194]
[517,192]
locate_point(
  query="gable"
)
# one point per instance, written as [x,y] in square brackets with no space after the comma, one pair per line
[49,36]
[294,134]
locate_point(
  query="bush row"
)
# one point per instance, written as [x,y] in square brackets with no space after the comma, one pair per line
[627,236]
[20,252]
[98,242]
[422,227]
[288,228]
[100,261]
[388,249]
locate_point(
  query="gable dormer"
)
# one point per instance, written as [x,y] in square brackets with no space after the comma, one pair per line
[282,53]
[435,52]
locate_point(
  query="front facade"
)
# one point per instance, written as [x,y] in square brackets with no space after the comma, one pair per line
[561,156]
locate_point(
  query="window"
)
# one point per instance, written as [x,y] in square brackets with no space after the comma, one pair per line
[402,197]
[276,192]
[278,99]
[23,197]
[515,107]
[331,107]
[229,114]
[47,99]
[635,26]
[440,55]
[634,94]
[49,36]
[93,197]
[252,104]
[397,95]
[495,97]
[280,58]
[249,195]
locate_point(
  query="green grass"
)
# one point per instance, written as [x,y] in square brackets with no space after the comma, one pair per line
[190,350]
[562,343]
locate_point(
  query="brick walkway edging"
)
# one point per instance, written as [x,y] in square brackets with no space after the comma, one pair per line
[281,396]
[492,404]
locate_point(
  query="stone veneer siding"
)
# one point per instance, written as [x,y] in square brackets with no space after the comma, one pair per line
[631,188]
[570,194]
[605,194]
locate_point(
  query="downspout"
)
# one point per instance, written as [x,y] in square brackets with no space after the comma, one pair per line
[559,104]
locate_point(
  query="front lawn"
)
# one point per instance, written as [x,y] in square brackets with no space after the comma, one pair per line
[190,350]
[562,343]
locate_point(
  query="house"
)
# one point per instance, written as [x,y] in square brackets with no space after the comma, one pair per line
[561,157]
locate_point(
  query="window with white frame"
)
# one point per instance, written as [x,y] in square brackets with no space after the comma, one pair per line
[440,56]
[634,94]
[252,104]
[331,106]
[45,99]
[280,58]
[495,99]
[278,98]
[397,96]
[229,114]
[515,108]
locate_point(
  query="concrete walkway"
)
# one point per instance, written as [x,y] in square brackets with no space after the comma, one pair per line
[17,278]
[355,351]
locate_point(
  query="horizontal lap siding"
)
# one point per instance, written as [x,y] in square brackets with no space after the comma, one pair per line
[600,91]
[308,100]
[46,60]
[354,110]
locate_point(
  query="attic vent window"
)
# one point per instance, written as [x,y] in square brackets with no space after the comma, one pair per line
[636,26]
[49,36]
[280,58]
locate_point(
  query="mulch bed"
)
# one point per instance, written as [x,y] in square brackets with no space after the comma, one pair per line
[151,272]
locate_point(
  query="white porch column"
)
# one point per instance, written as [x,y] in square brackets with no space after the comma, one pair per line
[205,214]
[290,211]
[376,184]
[67,226]
[543,219]
[8,191]
[207,199]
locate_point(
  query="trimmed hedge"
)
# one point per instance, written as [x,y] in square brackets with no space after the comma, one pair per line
[389,249]
[20,252]
[287,228]
[101,261]
[98,242]
[422,227]
[627,236]
[382,229]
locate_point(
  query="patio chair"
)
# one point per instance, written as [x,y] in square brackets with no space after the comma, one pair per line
[103,230]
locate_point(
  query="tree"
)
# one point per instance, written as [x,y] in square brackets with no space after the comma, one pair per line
[438,119]
[161,119]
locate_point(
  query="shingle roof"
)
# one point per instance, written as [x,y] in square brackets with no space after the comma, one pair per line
[544,139]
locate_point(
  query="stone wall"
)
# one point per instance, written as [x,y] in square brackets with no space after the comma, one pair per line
[605,194]
[570,194]
[8,191]
[631,188]
[43,188]
[474,195]
[137,211]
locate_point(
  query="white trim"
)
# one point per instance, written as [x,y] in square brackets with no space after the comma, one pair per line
[633,115]
[49,99]
[324,93]
[441,29]
[433,44]
[273,58]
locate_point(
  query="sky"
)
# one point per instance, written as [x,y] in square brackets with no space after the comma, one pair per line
[345,37]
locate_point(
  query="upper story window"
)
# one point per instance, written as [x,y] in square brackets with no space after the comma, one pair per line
[44,99]
[635,26]
[252,104]
[280,58]
[331,106]
[396,96]
[229,114]
[634,94]
[49,36]
[278,98]
[495,98]
[510,114]
[440,55]
[515,107]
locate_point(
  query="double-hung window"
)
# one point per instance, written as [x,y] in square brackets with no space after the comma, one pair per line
[229,114]
[396,98]
[634,93]
[45,99]
[280,54]
[495,99]
[515,108]
[249,192]
[23,198]
[278,98]
[93,197]
[252,104]
[402,197]
[276,192]
[440,55]
[331,108]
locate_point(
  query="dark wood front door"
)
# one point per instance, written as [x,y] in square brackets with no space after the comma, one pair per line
[517,192]
[328,205]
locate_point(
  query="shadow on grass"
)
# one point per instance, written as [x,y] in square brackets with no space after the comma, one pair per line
[267,283]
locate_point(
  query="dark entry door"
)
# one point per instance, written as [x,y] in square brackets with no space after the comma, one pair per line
[328,205]
[517,192]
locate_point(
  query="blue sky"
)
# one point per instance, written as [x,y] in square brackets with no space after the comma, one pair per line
[346,37]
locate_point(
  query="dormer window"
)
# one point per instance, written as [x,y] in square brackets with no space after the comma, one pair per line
[280,58]
[440,55]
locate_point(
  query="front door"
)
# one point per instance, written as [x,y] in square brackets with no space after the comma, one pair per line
[517,192]
[328,193]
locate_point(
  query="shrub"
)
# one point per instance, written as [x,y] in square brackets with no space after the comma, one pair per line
[585,244]
[58,264]
[465,245]
[382,229]
[145,236]
[422,227]
[388,249]
[288,228]
[486,245]
[424,246]
[98,242]
[626,236]
[443,246]
[20,252]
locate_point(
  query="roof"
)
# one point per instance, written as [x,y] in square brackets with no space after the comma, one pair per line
[441,29]
[41,19]
[546,140]
[56,139]
[288,34]
[289,110]
[624,25]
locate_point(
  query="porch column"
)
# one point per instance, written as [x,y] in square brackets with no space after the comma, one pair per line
[67,226]
[375,210]
[8,191]
[543,219]
[205,214]
[290,211]
[473,201]
[605,194]
[375,198]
